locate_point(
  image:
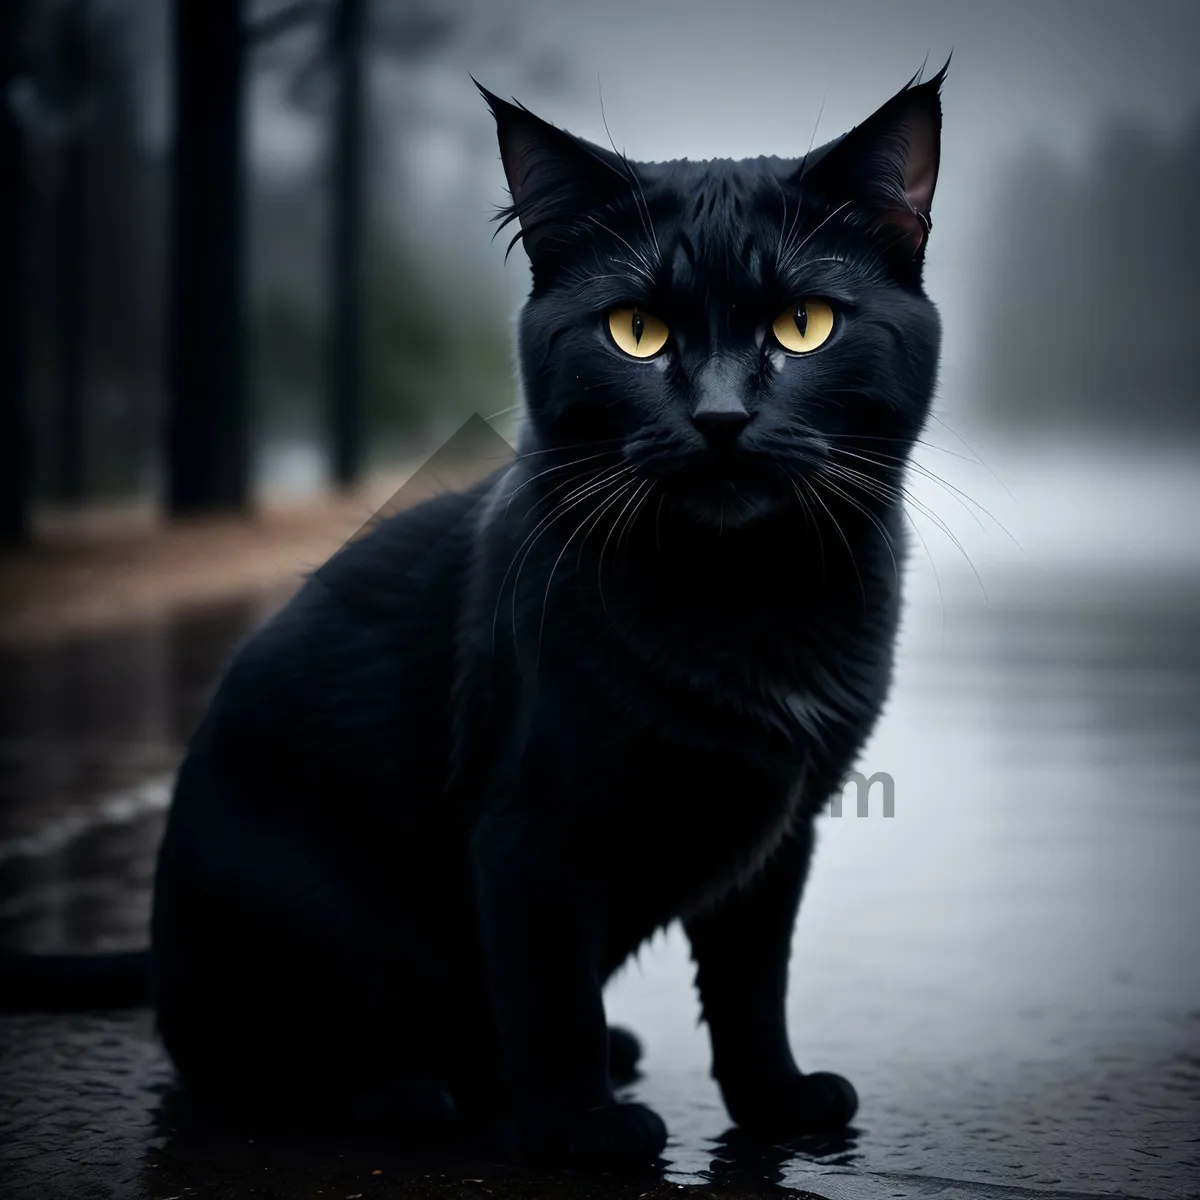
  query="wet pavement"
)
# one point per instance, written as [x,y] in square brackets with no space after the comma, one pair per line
[1007,968]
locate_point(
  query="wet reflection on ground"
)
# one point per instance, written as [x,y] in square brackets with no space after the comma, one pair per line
[1007,969]
[90,731]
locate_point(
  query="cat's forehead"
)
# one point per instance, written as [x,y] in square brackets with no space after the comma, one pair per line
[717,221]
[711,183]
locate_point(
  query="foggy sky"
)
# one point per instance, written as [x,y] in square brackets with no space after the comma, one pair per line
[714,77]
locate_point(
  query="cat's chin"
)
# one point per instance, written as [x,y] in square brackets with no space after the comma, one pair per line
[723,510]
[725,490]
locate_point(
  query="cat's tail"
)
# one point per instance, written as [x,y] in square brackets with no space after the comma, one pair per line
[73,982]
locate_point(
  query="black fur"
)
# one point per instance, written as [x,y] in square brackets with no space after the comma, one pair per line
[494,745]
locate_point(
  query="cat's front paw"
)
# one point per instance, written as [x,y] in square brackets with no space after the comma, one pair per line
[796,1104]
[613,1135]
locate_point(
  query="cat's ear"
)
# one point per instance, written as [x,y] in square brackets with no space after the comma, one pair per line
[887,167]
[555,179]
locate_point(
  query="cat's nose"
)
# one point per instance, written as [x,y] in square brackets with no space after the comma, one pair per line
[721,426]
[718,411]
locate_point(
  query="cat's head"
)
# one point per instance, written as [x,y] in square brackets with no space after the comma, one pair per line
[741,333]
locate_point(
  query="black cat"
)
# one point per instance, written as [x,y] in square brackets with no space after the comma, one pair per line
[494,745]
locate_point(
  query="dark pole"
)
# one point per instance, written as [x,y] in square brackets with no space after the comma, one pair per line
[207,435]
[15,468]
[345,389]
[72,262]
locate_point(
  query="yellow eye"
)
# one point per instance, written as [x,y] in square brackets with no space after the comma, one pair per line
[804,327]
[637,332]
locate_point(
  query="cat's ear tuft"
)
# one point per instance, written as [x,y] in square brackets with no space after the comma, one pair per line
[888,165]
[555,179]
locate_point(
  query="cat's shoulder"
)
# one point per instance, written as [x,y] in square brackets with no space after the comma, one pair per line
[381,608]
[401,561]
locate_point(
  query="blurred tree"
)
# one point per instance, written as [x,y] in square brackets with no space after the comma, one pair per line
[345,396]
[208,432]
[1093,304]
[385,337]
[55,100]
[367,349]
[72,60]
[96,229]
[125,254]
[15,468]
[402,33]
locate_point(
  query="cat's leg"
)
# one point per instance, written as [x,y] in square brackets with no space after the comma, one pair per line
[542,921]
[291,1037]
[290,980]
[741,947]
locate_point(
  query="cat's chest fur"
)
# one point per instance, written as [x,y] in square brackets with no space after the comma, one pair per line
[684,721]
[768,675]
[690,772]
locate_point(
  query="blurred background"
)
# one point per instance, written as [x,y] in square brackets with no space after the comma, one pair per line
[250,288]
[248,251]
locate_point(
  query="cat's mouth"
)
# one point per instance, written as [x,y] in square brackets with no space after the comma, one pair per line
[726,490]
